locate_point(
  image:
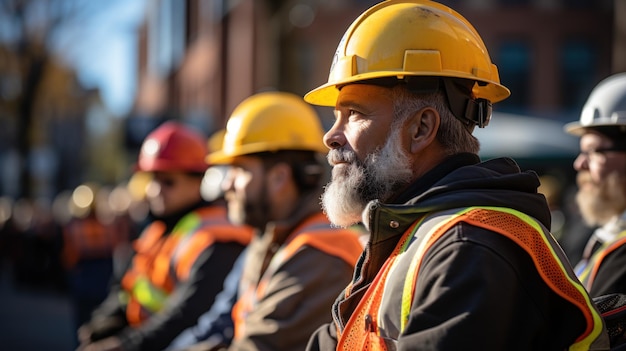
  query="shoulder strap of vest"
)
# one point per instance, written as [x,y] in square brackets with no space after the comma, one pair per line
[317,232]
[588,275]
[341,243]
[149,236]
[361,331]
[213,225]
[195,219]
[516,225]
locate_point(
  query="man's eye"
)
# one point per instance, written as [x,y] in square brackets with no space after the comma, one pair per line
[353,112]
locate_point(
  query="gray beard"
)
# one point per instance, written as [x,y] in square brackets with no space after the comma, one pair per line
[354,184]
[601,202]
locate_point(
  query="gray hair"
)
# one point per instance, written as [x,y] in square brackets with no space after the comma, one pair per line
[453,135]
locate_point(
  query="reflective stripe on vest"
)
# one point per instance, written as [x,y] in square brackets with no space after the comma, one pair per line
[315,232]
[588,274]
[148,296]
[163,261]
[510,223]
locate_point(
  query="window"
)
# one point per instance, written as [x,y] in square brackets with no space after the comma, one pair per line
[166,36]
[577,61]
[513,61]
[579,4]
[508,3]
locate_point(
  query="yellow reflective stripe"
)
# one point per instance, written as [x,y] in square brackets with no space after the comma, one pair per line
[407,295]
[148,296]
[584,275]
[123,297]
[187,224]
[409,282]
[194,220]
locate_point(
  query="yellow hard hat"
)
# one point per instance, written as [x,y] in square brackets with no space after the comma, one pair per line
[270,121]
[411,38]
[216,140]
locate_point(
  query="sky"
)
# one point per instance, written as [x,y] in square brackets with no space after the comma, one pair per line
[103,49]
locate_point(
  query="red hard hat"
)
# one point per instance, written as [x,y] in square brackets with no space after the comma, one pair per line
[173,147]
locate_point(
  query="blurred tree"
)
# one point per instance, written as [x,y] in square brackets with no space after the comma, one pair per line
[32,75]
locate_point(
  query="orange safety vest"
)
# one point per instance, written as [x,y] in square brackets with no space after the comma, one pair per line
[315,232]
[363,332]
[162,261]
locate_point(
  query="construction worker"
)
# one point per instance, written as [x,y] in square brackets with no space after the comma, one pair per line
[296,263]
[215,328]
[459,255]
[601,196]
[181,258]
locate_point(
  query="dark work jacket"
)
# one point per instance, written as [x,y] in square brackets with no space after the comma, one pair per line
[300,290]
[603,266]
[188,301]
[476,289]
[611,275]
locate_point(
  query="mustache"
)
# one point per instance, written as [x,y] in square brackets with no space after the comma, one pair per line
[341,155]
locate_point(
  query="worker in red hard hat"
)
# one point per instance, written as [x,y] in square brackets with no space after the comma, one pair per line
[180,259]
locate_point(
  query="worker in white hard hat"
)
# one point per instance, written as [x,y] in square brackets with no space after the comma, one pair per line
[601,197]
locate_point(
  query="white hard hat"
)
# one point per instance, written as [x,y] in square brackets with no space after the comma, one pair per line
[605,108]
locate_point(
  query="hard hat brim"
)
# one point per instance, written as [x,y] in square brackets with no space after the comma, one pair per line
[170,166]
[574,128]
[327,94]
[577,128]
[223,157]
[219,158]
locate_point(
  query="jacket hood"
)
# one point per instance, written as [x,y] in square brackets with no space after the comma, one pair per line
[498,182]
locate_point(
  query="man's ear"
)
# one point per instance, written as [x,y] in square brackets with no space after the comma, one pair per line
[422,128]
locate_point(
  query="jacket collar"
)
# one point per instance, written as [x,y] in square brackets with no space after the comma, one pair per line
[393,219]
[434,175]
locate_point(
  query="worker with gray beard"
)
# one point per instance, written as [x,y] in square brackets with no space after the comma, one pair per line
[458,255]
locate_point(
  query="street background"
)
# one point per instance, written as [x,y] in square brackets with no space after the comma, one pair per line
[34,319]
[83,82]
